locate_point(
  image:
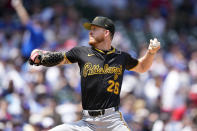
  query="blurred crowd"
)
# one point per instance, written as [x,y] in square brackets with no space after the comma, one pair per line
[37,98]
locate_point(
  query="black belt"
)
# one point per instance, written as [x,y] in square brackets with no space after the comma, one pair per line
[100,112]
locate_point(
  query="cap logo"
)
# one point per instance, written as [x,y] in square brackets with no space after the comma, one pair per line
[96,18]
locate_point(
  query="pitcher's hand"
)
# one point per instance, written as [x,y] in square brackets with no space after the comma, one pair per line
[154,46]
[36,57]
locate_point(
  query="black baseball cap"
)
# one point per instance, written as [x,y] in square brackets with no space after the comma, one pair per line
[103,22]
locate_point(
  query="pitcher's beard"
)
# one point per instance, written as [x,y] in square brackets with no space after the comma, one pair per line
[96,41]
[92,43]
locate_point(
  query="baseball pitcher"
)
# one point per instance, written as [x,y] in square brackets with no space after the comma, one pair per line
[101,69]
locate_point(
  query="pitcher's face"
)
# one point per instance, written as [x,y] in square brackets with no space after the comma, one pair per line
[96,35]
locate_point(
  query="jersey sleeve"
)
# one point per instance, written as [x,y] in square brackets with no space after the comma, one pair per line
[73,55]
[130,62]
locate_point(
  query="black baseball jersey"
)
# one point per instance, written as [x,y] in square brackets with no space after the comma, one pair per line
[101,75]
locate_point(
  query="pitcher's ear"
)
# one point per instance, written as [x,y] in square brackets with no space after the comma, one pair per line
[107,33]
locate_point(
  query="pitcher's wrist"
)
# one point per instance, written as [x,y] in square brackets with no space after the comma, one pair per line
[151,53]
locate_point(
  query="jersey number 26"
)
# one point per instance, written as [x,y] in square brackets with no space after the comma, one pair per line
[113,87]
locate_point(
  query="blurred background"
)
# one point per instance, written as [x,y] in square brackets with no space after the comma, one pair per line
[38,98]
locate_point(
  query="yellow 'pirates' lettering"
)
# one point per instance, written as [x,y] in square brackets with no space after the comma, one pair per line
[90,69]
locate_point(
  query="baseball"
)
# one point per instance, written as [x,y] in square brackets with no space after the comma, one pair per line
[155,43]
